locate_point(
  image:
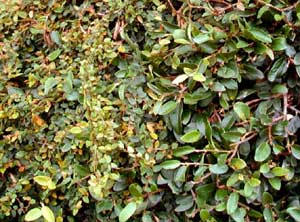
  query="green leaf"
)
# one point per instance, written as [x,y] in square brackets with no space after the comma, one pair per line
[175,118]
[239,215]
[262,10]
[72,96]
[279,171]
[275,183]
[170,164]
[204,215]
[226,72]
[218,168]
[242,110]
[233,179]
[185,203]
[298,70]
[104,205]
[199,172]
[282,89]
[68,83]
[55,37]
[232,202]
[76,130]
[53,55]
[294,212]
[201,38]
[237,164]
[242,44]
[191,136]
[167,108]
[81,170]
[279,44]
[147,218]
[218,87]
[199,77]
[262,152]
[297,59]
[135,190]
[179,79]
[252,73]
[48,214]
[261,35]
[254,213]
[296,151]
[267,198]
[49,84]
[42,180]
[185,150]
[232,136]
[254,182]
[206,191]
[121,91]
[264,168]
[14,91]
[248,189]
[169,26]
[127,212]
[278,69]
[157,107]
[35,31]
[45,181]
[268,215]
[33,214]
[179,36]
[180,174]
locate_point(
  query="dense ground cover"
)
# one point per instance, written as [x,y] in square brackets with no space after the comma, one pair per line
[149,110]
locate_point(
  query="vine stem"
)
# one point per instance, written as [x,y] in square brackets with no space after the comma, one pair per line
[285,106]
[212,151]
[202,178]
[237,144]
[276,8]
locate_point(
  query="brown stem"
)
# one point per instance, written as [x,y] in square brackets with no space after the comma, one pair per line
[213,151]
[236,145]
[297,111]
[195,164]
[285,105]
[270,134]
[202,178]
[276,8]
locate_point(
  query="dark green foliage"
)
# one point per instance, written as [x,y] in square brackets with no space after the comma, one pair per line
[149,110]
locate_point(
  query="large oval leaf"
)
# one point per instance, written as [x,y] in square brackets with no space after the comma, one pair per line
[42,180]
[167,108]
[294,212]
[170,164]
[45,181]
[262,152]
[48,214]
[33,214]
[218,168]
[232,202]
[49,84]
[242,110]
[191,137]
[185,150]
[237,164]
[261,35]
[127,212]
[53,55]
[296,151]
